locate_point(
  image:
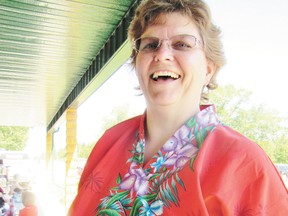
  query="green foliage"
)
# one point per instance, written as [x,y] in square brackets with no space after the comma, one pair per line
[13,138]
[236,109]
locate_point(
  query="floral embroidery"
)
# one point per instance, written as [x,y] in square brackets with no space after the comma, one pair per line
[135,181]
[148,191]
[156,208]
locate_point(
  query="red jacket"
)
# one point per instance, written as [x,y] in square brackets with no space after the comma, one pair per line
[231,175]
[30,210]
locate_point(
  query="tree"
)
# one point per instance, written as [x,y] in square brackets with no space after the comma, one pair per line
[236,109]
[13,137]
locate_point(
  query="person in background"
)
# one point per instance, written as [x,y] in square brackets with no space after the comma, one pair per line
[177,158]
[6,207]
[17,200]
[29,202]
[16,183]
[16,193]
[2,201]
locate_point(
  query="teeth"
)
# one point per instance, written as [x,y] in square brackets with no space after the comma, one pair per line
[156,75]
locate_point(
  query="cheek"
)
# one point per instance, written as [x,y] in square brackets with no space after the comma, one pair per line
[141,67]
[194,73]
[139,71]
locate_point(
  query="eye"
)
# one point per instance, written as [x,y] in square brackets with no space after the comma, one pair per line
[149,44]
[181,45]
[183,42]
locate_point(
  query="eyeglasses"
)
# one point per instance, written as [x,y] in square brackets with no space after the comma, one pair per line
[177,42]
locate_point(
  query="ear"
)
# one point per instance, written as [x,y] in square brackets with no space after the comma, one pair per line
[211,69]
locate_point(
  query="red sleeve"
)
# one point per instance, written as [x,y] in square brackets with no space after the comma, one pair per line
[104,144]
[105,161]
[238,178]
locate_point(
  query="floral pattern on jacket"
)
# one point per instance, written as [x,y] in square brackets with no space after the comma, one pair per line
[146,191]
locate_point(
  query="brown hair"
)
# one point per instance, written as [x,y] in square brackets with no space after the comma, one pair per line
[149,11]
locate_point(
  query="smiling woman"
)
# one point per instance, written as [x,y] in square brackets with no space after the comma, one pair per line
[177,158]
[175,53]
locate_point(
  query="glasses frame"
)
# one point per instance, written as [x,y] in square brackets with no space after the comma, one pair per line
[197,43]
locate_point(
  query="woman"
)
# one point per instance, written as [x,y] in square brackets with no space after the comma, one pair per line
[177,158]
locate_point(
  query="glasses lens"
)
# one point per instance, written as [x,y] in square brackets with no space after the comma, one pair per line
[147,44]
[183,42]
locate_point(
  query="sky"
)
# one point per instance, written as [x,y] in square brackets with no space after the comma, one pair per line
[255,39]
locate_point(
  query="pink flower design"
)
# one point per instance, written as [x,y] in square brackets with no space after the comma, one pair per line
[170,145]
[181,161]
[135,180]
[181,156]
[206,117]
[177,141]
[183,135]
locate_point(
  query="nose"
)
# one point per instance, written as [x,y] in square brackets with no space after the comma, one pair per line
[164,52]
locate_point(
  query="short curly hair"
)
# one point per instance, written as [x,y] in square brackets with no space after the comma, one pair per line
[149,11]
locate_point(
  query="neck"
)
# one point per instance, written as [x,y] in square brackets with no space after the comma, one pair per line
[161,124]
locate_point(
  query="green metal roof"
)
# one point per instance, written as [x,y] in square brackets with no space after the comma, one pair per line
[51,52]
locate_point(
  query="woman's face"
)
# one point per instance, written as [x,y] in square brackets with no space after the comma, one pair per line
[181,74]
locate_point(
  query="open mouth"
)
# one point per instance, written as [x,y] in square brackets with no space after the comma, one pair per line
[164,75]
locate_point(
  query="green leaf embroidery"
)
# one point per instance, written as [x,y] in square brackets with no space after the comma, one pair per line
[170,195]
[191,162]
[200,137]
[117,197]
[191,123]
[180,181]
[163,195]
[136,206]
[138,203]
[154,176]
[174,186]
[109,212]
[119,179]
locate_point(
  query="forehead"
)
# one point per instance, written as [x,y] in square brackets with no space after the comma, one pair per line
[166,18]
[171,24]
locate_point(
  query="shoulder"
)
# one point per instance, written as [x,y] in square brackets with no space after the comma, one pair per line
[118,138]
[227,137]
[122,130]
[228,157]
[226,145]
[124,126]
[120,134]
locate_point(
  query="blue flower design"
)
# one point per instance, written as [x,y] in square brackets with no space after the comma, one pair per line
[158,164]
[156,208]
[139,146]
